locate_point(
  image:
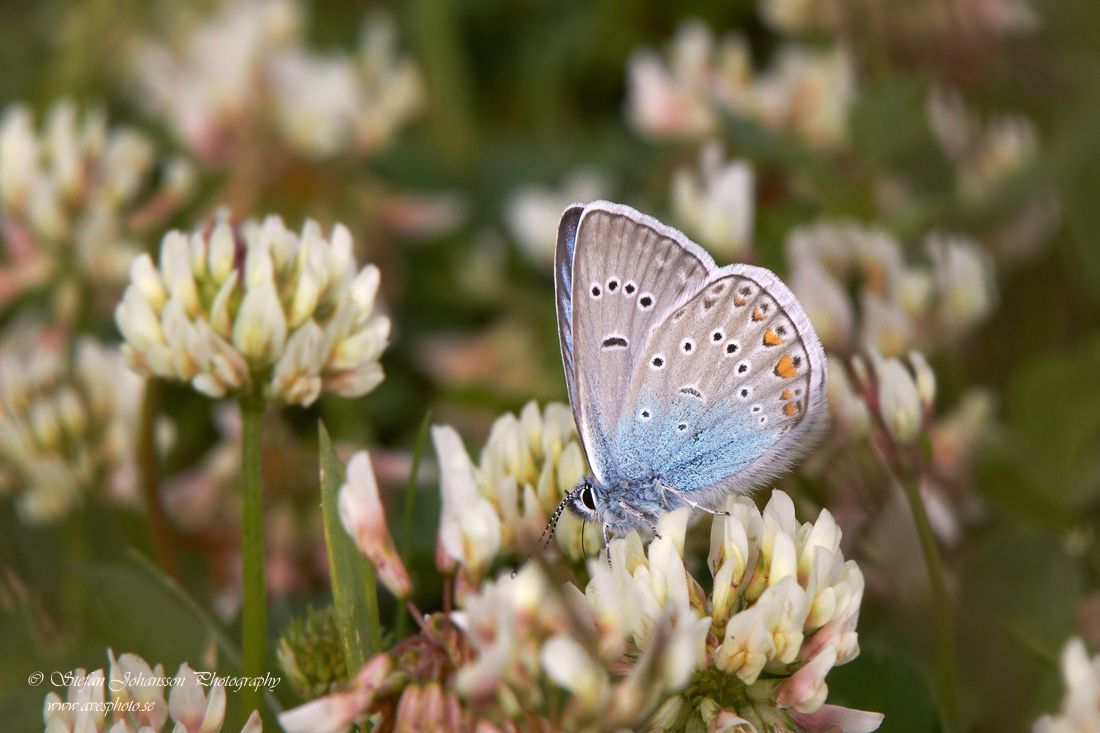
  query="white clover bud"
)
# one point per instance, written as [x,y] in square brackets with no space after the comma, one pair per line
[226,308]
[364,518]
[899,401]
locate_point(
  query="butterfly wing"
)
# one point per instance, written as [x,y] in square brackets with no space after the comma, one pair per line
[731,389]
[618,274]
[563,291]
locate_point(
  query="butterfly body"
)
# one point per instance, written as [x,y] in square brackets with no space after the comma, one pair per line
[688,382]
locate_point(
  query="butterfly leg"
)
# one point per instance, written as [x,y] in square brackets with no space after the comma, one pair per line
[639,516]
[684,498]
[607,541]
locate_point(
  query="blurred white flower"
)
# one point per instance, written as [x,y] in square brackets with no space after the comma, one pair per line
[231,72]
[984,154]
[965,282]
[364,518]
[75,198]
[531,213]
[232,306]
[899,305]
[673,100]
[65,432]
[717,204]
[1081,705]
[805,93]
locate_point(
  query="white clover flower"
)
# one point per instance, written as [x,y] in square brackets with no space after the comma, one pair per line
[900,306]
[74,199]
[807,93]
[716,205]
[260,305]
[249,63]
[1081,705]
[965,282]
[189,707]
[531,213]
[985,155]
[673,100]
[528,464]
[65,432]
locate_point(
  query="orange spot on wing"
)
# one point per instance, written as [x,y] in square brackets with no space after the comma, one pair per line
[739,301]
[757,315]
[786,395]
[791,409]
[771,338]
[785,367]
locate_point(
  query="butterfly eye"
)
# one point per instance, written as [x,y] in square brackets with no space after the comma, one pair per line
[587,499]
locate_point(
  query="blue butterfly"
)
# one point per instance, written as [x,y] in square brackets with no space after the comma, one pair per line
[688,382]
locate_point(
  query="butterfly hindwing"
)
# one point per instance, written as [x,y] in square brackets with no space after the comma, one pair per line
[628,273]
[730,390]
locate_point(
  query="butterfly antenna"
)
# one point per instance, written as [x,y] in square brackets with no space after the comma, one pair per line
[548,531]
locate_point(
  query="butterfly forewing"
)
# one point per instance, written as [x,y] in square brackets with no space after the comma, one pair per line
[628,273]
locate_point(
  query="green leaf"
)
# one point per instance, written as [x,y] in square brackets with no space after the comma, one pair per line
[354,595]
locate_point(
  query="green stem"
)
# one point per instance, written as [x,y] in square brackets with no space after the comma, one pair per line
[148,464]
[941,605]
[254,607]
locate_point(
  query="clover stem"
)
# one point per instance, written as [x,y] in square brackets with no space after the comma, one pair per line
[254,607]
[946,662]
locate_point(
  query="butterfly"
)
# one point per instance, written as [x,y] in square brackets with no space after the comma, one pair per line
[688,381]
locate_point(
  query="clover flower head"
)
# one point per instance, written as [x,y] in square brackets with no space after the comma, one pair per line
[232,309]
[75,196]
[900,305]
[985,154]
[65,431]
[528,464]
[249,63]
